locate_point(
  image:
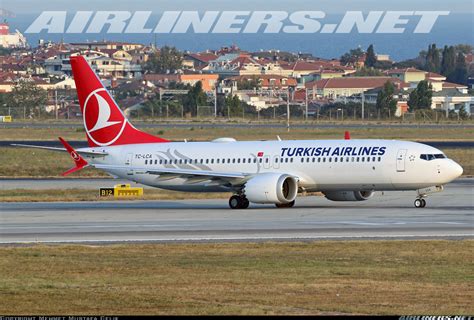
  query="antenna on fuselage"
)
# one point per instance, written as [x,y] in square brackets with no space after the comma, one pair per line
[278,137]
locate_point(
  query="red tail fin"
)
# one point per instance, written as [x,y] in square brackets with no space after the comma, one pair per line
[104,122]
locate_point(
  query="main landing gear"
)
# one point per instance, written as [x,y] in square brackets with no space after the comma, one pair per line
[285,205]
[238,202]
[420,203]
[241,202]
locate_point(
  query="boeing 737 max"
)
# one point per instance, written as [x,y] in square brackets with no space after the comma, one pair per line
[254,171]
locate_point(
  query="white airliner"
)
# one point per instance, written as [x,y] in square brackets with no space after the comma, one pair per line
[254,171]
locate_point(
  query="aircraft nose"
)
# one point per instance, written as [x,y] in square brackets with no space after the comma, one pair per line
[456,170]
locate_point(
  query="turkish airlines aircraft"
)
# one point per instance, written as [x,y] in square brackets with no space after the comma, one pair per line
[254,171]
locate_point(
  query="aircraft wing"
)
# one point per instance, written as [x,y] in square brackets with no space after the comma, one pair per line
[84,153]
[192,176]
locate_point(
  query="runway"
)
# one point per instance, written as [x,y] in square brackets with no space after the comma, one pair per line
[64,183]
[448,214]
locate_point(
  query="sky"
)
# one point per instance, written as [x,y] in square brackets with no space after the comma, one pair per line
[457,27]
[328,6]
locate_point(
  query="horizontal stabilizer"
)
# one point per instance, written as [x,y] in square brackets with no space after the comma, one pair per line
[78,160]
[81,152]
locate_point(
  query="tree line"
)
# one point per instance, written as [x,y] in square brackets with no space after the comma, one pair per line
[449,61]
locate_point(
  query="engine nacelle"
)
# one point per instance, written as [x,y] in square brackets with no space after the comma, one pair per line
[271,188]
[348,195]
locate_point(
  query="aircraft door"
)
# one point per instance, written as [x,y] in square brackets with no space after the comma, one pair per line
[401,156]
[266,162]
[276,162]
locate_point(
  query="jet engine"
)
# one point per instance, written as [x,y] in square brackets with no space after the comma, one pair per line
[348,195]
[271,188]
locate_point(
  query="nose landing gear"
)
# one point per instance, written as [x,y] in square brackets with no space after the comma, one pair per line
[420,203]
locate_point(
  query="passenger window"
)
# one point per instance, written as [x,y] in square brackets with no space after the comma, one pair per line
[358,159]
[314,159]
[243,160]
[233,160]
[380,159]
[161,161]
[302,160]
[335,159]
[324,159]
[291,160]
[347,159]
[266,160]
[238,160]
[212,161]
[319,159]
[146,161]
[330,159]
[276,160]
[260,160]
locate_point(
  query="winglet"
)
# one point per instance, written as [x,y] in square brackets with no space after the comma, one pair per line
[347,135]
[78,160]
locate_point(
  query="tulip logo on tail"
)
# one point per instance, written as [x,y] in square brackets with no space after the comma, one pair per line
[103,123]
[75,156]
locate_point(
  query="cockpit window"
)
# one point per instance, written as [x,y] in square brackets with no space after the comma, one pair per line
[429,157]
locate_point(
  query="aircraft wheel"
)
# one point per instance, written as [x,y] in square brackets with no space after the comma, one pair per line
[423,203]
[245,203]
[418,203]
[285,205]
[235,202]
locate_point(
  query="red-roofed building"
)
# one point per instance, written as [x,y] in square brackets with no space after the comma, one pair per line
[234,65]
[407,74]
[101,45]
[301,68]
[208,80]
[348,86]
[198,60]
[266,81]
[469,58]
[451,85]
[432,76]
